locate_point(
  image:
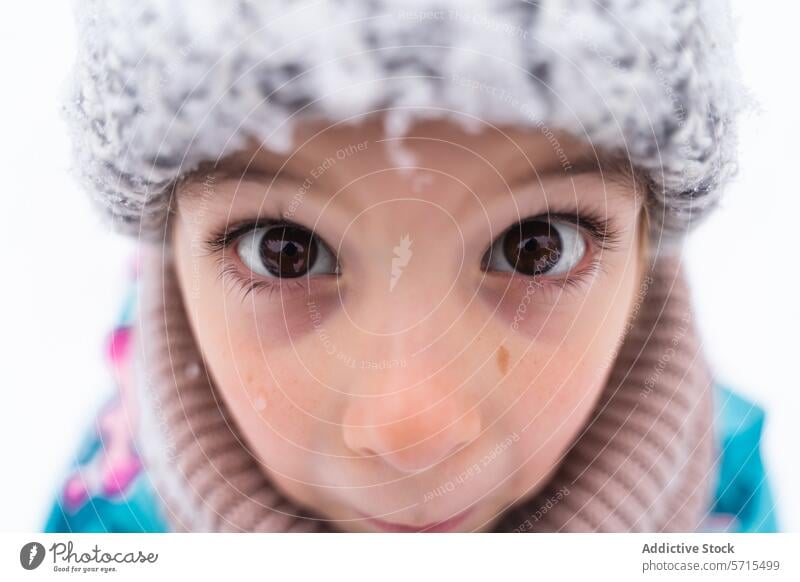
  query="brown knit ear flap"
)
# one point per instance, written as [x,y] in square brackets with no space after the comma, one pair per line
[642,463]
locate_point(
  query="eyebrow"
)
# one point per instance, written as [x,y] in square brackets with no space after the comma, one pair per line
[239,173]
[611,166]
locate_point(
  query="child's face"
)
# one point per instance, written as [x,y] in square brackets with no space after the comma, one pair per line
[409,349]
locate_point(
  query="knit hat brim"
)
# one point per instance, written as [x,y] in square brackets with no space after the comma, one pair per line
[163,85]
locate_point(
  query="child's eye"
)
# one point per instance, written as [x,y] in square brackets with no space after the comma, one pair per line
[285,251]
[537,247]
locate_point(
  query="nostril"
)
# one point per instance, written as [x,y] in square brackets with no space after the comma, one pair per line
[366,452]
[420,439]
[360,441]
[453,451]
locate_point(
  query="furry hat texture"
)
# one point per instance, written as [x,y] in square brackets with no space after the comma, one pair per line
[162,85]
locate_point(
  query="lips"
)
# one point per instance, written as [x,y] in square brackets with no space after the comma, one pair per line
[433,527]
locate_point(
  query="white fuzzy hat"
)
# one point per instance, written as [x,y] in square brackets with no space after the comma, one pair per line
[163,85]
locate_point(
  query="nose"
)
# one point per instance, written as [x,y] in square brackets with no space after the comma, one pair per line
[410,429]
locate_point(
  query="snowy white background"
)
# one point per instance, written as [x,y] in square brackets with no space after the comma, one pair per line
[63,275]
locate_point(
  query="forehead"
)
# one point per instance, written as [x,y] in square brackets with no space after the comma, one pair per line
[340,170]
[345,152]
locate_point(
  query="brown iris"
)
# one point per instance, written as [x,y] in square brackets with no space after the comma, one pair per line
[532,247]
[288,251]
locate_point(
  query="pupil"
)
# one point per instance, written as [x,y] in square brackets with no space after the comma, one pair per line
[288,251]
[533,247]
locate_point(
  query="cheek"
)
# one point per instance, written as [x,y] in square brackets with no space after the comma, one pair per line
[565,358]
[563,348]
[559,395]
[261,372]
[550,314]
[553,393]
[283,316]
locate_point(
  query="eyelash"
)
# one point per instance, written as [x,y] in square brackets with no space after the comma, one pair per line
[246,285]
[225,238]
[603,235]
[221,241]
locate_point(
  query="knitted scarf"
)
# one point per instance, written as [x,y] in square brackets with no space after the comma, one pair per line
[642,462]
